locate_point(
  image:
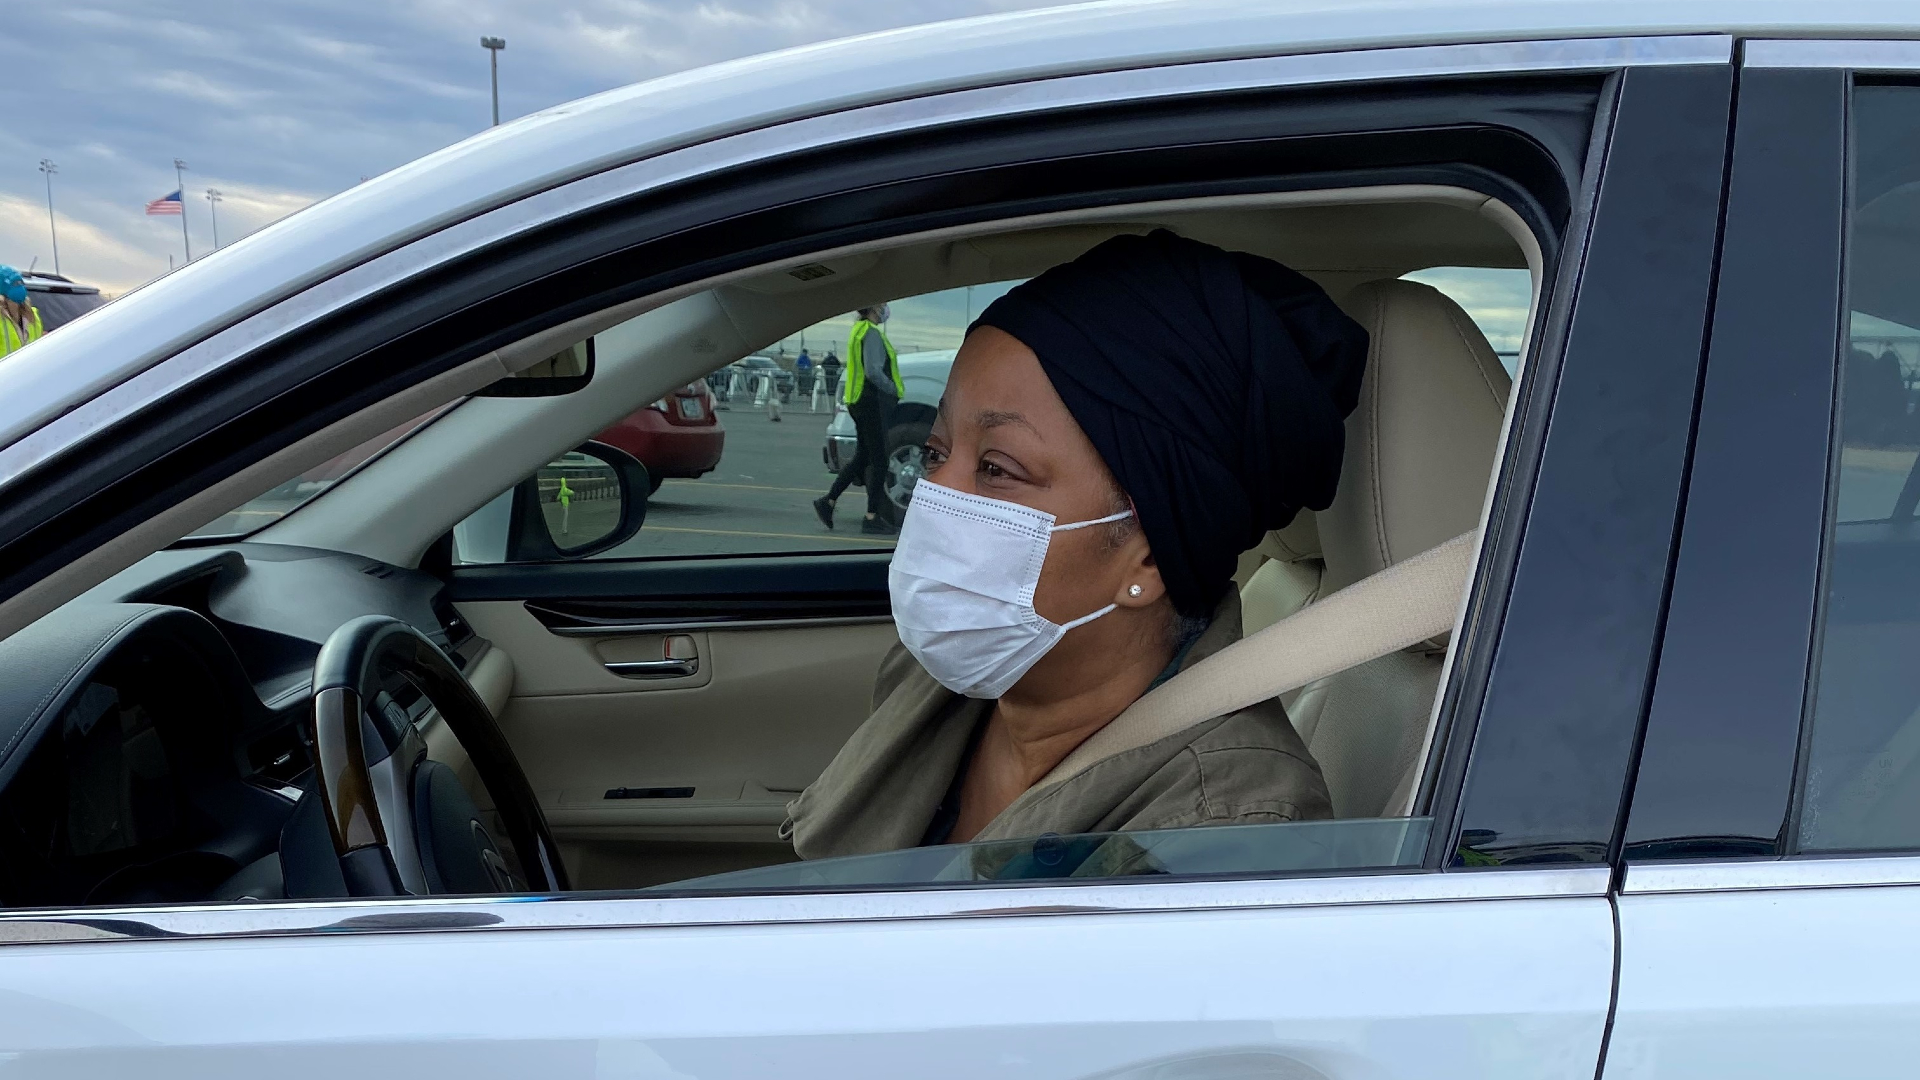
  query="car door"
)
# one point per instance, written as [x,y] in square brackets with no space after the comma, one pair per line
[654,776]
[1482,945]
[1771,902]
[654,779]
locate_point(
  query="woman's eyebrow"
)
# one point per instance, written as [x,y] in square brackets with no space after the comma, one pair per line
[993,418]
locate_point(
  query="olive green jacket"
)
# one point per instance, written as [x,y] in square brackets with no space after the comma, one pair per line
[881,791]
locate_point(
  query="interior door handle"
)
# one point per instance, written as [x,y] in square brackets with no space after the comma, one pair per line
[679,659]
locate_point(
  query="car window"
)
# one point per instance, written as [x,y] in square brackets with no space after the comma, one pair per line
[1862,767]
[1496,298]
[736,460]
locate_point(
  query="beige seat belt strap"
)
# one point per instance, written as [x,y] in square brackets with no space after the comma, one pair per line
[1397,608]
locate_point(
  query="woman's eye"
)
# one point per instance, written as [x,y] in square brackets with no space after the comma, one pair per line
[932,457]
[988,468]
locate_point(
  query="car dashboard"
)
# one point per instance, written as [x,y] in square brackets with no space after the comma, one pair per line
[154,732]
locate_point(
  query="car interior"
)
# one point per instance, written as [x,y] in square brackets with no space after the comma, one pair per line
[192,750]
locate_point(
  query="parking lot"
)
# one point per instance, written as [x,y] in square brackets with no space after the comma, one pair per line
[758,499]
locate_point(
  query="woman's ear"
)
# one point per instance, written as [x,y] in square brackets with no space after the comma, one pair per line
[1140,585]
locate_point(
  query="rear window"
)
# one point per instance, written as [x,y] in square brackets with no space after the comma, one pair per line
[60,308]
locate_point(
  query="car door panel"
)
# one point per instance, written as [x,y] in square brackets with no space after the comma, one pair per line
[1330,992]
[1767,983]
[767,586]
[765,712]
[786,645]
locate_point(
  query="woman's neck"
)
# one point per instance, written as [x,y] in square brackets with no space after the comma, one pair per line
[1041,729]
[1078,688]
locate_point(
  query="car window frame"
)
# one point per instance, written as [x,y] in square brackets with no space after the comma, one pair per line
[1542,727]
[1411,886]
[1682,793]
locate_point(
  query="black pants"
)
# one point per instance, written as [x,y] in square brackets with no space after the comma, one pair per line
[869,462]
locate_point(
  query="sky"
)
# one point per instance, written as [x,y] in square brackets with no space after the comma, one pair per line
[279,103]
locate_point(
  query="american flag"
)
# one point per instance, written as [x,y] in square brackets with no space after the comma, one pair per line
[165,204]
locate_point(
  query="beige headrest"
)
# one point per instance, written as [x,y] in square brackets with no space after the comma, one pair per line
[1421,443]
[1297,542]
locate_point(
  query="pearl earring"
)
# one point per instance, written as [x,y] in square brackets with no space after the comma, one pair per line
[1134,590]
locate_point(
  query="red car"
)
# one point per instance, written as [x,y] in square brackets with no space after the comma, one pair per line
[677,436]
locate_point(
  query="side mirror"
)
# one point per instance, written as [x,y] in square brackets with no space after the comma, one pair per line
[589,500]
[564,372]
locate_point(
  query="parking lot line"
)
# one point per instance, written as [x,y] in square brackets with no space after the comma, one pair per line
[748,487]
[771,535]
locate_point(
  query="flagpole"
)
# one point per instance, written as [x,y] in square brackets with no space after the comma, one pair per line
[180,167]
[47,166]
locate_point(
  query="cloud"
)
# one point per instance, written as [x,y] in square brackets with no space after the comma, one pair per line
[117,264]
[278,105]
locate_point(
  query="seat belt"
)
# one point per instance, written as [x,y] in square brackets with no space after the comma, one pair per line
[1395,609]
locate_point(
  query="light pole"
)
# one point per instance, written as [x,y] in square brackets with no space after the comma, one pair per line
[213,208]
[47,166]
[493,45]
[180,180]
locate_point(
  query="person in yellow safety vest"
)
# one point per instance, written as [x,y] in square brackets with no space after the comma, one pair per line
[870,389]
[19,319]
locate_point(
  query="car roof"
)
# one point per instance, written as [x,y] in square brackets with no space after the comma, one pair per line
[583,137]
[42,281]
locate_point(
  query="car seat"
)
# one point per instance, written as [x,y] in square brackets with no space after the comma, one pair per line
[1420,451]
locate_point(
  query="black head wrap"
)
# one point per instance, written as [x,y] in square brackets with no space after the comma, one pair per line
[1214,384]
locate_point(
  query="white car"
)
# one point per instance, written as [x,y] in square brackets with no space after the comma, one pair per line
[396,781]
[923,375]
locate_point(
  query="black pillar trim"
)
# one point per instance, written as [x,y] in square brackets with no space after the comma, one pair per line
[1567,683]
[1723,732]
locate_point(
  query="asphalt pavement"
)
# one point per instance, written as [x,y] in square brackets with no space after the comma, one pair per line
[759,498]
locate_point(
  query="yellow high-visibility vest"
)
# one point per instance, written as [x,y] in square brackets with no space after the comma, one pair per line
[10,332]
[856,377]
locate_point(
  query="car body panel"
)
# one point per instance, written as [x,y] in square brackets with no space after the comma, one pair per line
[1371,990]
[1770,983]
[670,442]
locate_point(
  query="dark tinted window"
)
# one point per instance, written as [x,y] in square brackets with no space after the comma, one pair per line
[60,308]
[1862,788]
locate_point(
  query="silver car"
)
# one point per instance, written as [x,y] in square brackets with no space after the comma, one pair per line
[427,770]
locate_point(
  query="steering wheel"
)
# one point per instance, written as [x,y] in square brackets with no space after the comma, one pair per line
[402,824]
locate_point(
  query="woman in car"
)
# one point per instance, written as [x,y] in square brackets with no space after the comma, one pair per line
[1113,435]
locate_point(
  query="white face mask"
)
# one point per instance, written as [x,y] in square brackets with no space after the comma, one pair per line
[962,583]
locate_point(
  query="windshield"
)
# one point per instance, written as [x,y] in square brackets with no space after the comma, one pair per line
[258,513]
